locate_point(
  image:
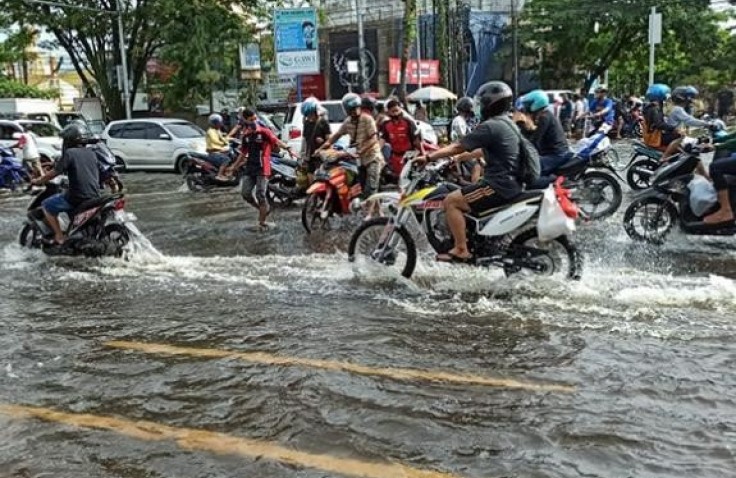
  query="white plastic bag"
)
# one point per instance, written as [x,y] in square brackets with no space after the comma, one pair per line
[702,195]
[553,222]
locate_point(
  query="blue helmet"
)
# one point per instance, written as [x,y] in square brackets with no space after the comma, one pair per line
[309,106]
[350,101]
[535,100]
[657,92]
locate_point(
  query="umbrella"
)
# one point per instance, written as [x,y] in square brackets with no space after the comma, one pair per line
[432,93]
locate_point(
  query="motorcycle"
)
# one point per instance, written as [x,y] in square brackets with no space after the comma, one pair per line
[201,175]
[96,228]
[591,178]
[282,184]
[655,211]
[12,172]
[506,237]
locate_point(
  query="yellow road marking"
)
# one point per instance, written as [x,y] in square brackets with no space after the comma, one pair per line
[221,443]
[394,373]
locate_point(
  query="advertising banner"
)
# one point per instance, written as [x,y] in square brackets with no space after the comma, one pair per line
[430,71]
[297,43]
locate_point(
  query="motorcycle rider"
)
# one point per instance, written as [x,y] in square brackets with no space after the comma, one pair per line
[719,169]
[602,110]
[217,146]
[364,134]
[316,130]
[657,133]
[544,130]
[463,123]
[499,139]
[80,165]
[679,118]
[400,134]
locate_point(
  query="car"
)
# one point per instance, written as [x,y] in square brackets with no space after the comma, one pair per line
[46,135]
[291,133]
[153,144]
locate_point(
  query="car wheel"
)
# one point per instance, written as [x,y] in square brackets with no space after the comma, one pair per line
[181,165]
[120,165]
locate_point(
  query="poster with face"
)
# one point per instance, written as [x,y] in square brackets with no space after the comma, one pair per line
[297,41]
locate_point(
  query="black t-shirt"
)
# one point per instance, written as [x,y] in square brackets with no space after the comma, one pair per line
[549,137]
[80,166]
[500,144]
[312,131]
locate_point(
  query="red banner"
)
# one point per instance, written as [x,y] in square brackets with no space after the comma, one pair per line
[430,72]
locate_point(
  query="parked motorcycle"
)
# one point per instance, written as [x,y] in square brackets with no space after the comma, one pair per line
[282,185]
[506,238]
[655,211]
[12,172]
[95,228]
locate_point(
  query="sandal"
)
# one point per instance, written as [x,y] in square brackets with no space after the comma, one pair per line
[454,259]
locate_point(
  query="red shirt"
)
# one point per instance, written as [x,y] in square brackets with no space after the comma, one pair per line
[399,134]
[257,147]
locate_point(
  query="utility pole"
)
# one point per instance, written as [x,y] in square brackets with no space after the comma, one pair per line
[655,38]
[361,47]
[124,61]
[419,50]
[515,45]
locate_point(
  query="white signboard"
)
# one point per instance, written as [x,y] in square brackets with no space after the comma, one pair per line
[297,43]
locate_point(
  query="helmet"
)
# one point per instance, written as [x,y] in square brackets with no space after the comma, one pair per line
[75,133]
[682,94]
[310,106]
[214,119]
[691,91]
[368,103]
[657,92]
[465,105]
[601,88]
[535,100]
[350,101]
[494,98]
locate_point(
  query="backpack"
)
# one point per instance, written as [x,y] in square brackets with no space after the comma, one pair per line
[529,166]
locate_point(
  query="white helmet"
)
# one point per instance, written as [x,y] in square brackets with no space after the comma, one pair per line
[214,119]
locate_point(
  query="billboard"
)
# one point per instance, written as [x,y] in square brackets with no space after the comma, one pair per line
[430,71]
[296,41]
[343,52]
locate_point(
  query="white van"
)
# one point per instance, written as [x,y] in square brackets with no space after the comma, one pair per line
[37,110]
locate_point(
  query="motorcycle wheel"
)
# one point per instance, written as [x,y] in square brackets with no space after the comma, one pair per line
[311,218]
[557,258]
[599,196]
[438,232]
[29,237]
[368,239]
[116,237]
[650,220]
[194,183]
[275,198]
[637,176]
[636,131]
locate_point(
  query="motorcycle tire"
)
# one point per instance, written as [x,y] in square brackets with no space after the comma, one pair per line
[311,203]
[593,181]
[521,250]
[654,226]
[634,176]
[276,198]
[29,237]
[377,225]
[116,237]
[195,183]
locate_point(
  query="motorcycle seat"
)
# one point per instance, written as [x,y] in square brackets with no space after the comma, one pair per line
[529,194]
[93,203]
[647,150]
[573,165]
[292,163]
[201,156]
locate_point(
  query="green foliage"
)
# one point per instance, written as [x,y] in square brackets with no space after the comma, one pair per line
[409,35]
[16,89]
[573,53]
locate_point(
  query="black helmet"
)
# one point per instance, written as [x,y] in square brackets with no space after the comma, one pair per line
[75,133]
[494,98]
[465,105]
[367,103]
[683,94]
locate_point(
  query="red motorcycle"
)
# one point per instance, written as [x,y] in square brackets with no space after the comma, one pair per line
[336,185]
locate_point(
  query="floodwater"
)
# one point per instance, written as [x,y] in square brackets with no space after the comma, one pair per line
[217,351]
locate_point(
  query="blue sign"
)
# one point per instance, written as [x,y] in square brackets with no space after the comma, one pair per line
[297,43]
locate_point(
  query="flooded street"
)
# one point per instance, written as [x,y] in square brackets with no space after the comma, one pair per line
[217,351]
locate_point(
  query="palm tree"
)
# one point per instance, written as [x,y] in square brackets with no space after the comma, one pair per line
[408,37]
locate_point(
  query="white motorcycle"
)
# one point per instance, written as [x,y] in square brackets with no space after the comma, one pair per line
[506,237]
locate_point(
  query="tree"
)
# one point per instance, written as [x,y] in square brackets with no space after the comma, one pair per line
[16,89]
[88,31]
[573,50]
[408,37]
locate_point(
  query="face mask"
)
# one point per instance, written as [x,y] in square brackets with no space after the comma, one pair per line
[249,125]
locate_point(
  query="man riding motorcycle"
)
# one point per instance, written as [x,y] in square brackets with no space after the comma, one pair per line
[217,146]
[80,165]
[602,110]
[499,139]
[464,122]
[679,118]
[316,131]
[544,130]
[363,133]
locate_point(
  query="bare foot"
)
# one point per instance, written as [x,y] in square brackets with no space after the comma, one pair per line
[719,217]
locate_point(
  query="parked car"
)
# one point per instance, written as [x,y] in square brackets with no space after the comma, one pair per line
[153,144]
[292,130]
[46,135]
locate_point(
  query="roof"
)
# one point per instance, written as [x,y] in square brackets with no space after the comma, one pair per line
[151,120]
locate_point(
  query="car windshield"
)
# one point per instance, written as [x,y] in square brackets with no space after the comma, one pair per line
[43,130]
[66,118]
[185,130]
[335,113]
